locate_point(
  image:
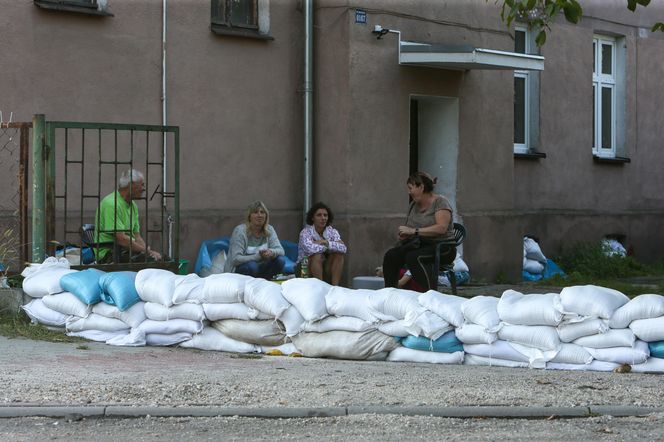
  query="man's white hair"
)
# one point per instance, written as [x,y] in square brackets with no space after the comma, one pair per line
[129,176]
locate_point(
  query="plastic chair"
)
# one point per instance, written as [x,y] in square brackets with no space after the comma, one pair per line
[88,238]
[447,246]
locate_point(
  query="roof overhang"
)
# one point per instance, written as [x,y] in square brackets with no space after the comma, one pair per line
[465,57]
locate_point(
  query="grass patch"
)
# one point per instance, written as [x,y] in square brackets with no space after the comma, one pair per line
[19,326]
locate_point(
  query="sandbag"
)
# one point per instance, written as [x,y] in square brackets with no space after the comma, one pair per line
[285,349]
[497,350]
[482,310]
[166,340]
[224,288]
[155,285]
[265,296]
[95,322]
[656,349]
[345,345]
[98,335]
[430,325]
[622,337]
[640,307]
[570,331]
[171,326]
[403,354]
[593,366]
[308,296]
[636,354]
[398,329]
[538,336]
[344,323]
[188,289]
[390,304]
[67,304]
[649,330]
[537,357]
[459,265]
[292,320]
[340,301]
[252,332]
[119,289]
[158,312]
[44,279]
[572,354]
[84,285]
[532,266]
[532,250]
[652,365]
[447,343]
[447,307]
[471,359]
[475,334]
[212,339]
[590,300]
[133,316]
[235,310]
[135,338]
[519,309]
[39,313]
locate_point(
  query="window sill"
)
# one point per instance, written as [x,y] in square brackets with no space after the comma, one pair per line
[58,5]
[532,155]
[239,32]
[611,160]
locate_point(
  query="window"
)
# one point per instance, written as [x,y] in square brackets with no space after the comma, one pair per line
[92,7]
[243,18]
[526,98]
[604,96]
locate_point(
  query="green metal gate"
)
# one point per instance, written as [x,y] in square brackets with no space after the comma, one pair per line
[76,164]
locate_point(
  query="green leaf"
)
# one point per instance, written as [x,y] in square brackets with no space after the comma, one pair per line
[643,2]
[631,5]
[531,4]
[658,27]
[541,38]
[572,11]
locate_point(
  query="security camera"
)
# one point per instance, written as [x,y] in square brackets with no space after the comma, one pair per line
[379,31]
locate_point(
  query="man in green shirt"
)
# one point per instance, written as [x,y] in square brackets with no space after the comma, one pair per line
[117,220]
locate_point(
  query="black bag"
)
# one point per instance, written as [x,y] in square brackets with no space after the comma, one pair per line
[409,244]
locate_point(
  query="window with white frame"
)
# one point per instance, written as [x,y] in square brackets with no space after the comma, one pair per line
[526,96]
[604,96]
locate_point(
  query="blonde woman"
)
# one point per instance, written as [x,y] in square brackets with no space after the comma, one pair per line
[254,248]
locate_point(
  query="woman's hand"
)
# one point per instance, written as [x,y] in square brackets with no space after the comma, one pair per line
[406,232]
[322,242]
[267,254]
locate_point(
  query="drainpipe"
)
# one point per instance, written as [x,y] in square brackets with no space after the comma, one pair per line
[164,123]
[308,107]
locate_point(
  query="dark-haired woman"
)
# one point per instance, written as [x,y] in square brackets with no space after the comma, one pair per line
[430,220]
[322,245]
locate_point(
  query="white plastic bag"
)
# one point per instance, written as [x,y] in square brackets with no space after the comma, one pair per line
[224,288]
[572,354]
[156,285]
[637,354]
[292,320]
[345,345]
[188,288]
[532,266]
[623,337]
[474,334]
[236,310]
[390,304]
[252,332]
[44,279]
[492,362]
[98,335]
[95,322]
[542,337]
[171,326]
[593,366]
[649,330]
[161,340]
[532,250]
[570,331]
[499,350]
[345,323]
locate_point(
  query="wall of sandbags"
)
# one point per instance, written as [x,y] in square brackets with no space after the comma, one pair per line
[580,328]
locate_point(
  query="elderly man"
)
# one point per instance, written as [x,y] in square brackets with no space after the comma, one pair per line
[117,220]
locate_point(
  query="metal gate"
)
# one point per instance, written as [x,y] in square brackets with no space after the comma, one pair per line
[76,164]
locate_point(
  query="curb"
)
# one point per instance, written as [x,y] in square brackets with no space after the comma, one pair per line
[500,412]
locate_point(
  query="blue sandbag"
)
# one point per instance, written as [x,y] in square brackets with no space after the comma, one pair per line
[527,276]
[552,269]
[656,349]
[84,285]
[448,343]
[118,289]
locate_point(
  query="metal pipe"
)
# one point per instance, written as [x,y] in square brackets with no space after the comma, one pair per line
[163,99]
[308,107]
[38,188]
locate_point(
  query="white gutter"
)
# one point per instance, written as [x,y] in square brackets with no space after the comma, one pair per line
[164,122]
[308,107]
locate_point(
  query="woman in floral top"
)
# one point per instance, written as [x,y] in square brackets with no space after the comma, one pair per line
[322,245]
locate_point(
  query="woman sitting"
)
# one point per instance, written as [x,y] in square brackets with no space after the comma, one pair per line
[429,221]
[322,245]
[254,248]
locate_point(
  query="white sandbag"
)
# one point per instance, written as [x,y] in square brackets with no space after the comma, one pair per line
[213,340]
[535,309]
[497,350]
[135,338]
[649,330]
[98,335]
[572,354]
[398,329]
[539,336]
[640,307]
[537,357]
[430,325]
[652,365]
[345,345]
[390,304]
[447,307]
[158,312]
[590,300]
[292,320]
[95,322]
[308,296]
[593,366]
[44,279]
[532,250]
[285,349]
[265,296]
[403,354]
[622,337]
[482,310]
[252,332]
[637,354]
[188,288]
[570,331]
[171,326]
[475,334]
[224,288]
[459,264]
[532,266]
[41,314]
[341,301]
[160,340]
[156,285]
[133,316]
[235,310]
[344,323]
[67,304]
[492,362]
[612,247]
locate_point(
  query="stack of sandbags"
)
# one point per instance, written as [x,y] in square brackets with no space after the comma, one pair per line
[461,272]
[534,260]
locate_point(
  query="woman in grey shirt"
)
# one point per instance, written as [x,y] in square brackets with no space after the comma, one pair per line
[429,219]
[255,249]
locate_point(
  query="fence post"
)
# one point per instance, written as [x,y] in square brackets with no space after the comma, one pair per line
[38,189]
